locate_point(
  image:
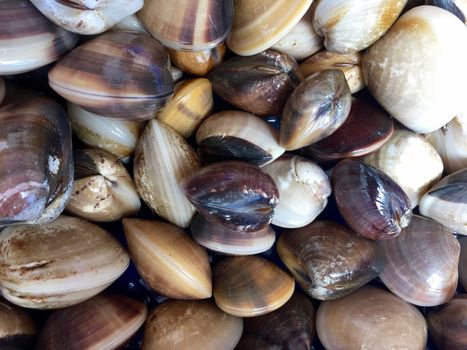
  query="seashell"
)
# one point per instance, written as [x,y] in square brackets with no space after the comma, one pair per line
[222,240]
[118,137]
[262,83]
[200,324]
[366,129]
[316,108]
[463,262]
[186,24]
[248,286]
[103,322]
[303,187]
[2,90]
[409,160]
[328,260]
[236,195]
[118,75]
[290,327]
[198,63]
[129,23]
[168,260]
[190,105]
[422,263]
[448,324]
[236,135]
[370,318]
[28,39]
[446,202]
[422,91]
[162,159]
[103,190]
[87,17]
[348,63]
[371,203]
[58,264]
[258,25]
[17,328]
[456,7]
[36,175]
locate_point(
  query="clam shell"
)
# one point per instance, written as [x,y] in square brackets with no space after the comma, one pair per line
[104,322]
[260,24]
[190,105]
[129,23]
[248,286]
[463,262]
[168,260]
[422,263]
[188,24]
[17,328]
[236,135]
[58,264]
[303,187]
[200,324]
[456,7]
[371,203]
[262,83]
[118,75]
[236,195]
[162,159]
[423,91]
[197,63]
[328,260]
[370,318]
[316,108]
[28,40]
[222,240]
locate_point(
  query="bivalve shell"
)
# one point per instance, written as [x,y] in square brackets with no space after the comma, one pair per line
[456,7]
[17,328]
[197,63]
[129,23]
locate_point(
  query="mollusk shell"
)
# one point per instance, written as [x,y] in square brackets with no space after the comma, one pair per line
[456,7]
[236,195]
[17,328]
[371,203]
[197,62]
[188,24]
[117,75]
[28,40]
[413,70]
[422,263]
[129,23]
[58,264]
[250,286]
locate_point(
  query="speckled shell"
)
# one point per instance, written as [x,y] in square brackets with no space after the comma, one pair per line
[104,322]
[197,63]
[168,259]
[162,159]
[456,7]
[250,286]
[117,75]
[180,325]
[28,40]
[17,328]
[58,264]
[413,70]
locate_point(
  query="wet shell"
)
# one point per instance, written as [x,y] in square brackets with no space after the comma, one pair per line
[236,135]
[102,190]
[463,262]
[222,240]
[17,328]
[190,105]
[180,325]
[129,24]
[36,165]
[197,62]
[162,159]
[104,322]
[236,195]
[328,260]
[188,24]
[316,108]
[118,75]
[58,264]
[370,318]
[168,260]
[250,286]
[371,203]
[260,24]
[456,7]
[28,40]
[413,70]
[422,263]
[262,83]
[303,187]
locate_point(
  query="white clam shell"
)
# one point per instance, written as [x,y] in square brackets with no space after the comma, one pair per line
[130,24]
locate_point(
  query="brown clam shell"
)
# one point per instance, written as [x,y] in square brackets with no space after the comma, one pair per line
[197,63]
[17,328]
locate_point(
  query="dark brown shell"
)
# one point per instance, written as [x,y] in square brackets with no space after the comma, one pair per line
[17,328]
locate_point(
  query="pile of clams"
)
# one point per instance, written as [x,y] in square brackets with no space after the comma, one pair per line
[233,174]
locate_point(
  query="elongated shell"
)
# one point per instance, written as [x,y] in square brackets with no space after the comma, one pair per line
[456,7]
[58,264]
[197,63]
[162,159]
[17,328]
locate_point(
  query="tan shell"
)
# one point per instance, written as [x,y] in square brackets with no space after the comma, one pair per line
[17,328]
[197,62]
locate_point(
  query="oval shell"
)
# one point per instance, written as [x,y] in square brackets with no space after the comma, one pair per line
[197,63]
[17,328]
